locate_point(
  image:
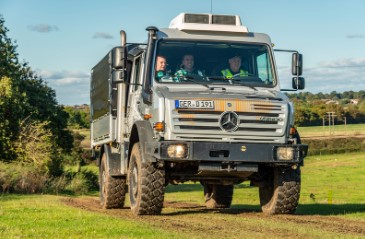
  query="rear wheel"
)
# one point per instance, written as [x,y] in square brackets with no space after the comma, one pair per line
[281,190]
[146,185]
[218,196]
[112,189]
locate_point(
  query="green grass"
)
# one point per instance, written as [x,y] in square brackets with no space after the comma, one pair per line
[332,186]
[337,130]
[42,216]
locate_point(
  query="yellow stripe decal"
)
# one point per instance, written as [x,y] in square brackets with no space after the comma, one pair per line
[238,106]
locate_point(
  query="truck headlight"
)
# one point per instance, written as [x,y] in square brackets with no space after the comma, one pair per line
[284,153]
[177,151]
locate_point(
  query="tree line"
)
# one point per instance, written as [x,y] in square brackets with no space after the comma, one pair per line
[314,109]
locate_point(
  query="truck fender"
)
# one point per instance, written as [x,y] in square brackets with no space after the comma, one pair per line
[97,156]
[113,162]
[142,132]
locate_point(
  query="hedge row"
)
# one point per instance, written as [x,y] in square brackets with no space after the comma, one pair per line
[334,145]
[24,178]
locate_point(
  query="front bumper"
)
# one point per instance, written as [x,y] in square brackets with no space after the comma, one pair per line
[230,152]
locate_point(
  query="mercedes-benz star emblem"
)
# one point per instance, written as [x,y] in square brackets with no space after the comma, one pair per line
[229,121]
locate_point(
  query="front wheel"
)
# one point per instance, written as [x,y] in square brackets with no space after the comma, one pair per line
[281,190]
[146,185]
[218,196]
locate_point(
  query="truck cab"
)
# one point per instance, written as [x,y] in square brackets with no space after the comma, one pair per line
[214,114]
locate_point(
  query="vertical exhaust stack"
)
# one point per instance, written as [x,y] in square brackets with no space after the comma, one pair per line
[122,88]
[123,38]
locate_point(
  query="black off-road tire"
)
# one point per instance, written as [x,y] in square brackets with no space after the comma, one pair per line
[112,189]
[146,185]
[218,196]
[281,190]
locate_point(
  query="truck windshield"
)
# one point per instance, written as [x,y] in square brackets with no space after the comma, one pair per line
[209,63]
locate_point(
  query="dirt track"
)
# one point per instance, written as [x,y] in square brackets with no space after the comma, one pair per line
[196,221]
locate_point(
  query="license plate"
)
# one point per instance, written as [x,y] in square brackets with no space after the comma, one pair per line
[194,104]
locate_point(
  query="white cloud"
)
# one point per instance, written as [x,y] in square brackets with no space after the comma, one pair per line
[64,77]
[347,62]
[338,75]
[355,36]
[42,28]
[102,35]
[72,87]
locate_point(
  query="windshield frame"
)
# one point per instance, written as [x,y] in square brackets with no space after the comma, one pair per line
[226,48]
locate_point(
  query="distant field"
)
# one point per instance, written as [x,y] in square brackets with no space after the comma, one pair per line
[337,130]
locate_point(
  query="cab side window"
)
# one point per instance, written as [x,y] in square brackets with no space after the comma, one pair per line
[136,73]
[263,69]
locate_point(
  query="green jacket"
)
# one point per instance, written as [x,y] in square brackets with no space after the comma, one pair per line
[183,72]
[228,74]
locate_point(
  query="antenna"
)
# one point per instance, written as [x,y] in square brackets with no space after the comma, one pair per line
[211,6]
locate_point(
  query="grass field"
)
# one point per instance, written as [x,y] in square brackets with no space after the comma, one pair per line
[336,130]
[332,205]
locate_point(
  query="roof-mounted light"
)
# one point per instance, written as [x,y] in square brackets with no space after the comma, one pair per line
[196,18]
[208,22]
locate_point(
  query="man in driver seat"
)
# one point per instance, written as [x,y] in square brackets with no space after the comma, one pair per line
[234,67]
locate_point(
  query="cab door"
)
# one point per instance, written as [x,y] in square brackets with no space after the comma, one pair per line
[134,93]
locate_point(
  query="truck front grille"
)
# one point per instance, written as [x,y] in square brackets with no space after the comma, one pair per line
[259,122]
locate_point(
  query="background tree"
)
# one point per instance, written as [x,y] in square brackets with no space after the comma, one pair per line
[78,116]
[26,96]
[311,109]
[10,96]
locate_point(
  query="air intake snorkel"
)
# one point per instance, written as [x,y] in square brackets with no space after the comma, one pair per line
[146,93]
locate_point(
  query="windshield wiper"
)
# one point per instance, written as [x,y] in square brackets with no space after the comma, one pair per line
[216,78]
[190,78]
[239,82]
[231,81]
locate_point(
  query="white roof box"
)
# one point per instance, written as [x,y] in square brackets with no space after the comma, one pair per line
[208,22]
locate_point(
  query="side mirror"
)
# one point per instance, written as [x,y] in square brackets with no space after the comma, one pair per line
[298,83]
[297,64]
[119,58]
[118,76]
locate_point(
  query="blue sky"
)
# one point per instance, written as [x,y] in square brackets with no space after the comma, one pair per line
[63,40]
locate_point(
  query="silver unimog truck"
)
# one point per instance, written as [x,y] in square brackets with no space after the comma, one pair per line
[153,128]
